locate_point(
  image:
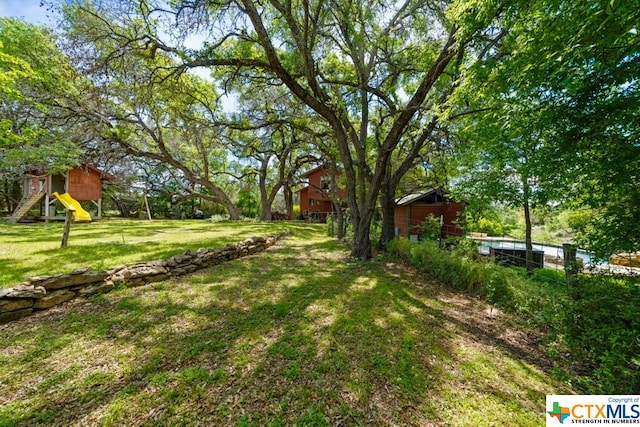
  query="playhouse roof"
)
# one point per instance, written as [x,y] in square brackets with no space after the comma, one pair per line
[103,175]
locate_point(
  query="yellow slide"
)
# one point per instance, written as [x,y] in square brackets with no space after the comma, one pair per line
[79,214]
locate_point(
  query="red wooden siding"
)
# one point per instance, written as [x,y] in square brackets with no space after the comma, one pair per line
[409,218]
[84,184]
[313,198]
[32,186]
[304,199]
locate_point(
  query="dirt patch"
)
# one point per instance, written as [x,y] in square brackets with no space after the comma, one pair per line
[484,324]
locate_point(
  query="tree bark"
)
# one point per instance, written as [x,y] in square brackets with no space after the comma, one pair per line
[124,212]
[528,242]
[388,206]
[16,195]
[262,184]
[288,200]
[337,205]
[232,209]
[388,193]
[570,264]
[362,248]
[6,196]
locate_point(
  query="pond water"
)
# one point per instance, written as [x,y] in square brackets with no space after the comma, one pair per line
[548,249]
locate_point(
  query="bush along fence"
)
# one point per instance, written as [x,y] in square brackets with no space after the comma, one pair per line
[43,292]
[592,328]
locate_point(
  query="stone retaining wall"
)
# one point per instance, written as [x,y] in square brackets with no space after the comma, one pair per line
[43,292]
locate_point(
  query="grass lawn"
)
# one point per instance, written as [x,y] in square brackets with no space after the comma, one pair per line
[34,249]
[298,335]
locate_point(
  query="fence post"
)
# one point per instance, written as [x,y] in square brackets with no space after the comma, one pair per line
[67,228]
[570,264]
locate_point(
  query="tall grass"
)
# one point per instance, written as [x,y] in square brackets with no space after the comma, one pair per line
[592,331]
[602,325]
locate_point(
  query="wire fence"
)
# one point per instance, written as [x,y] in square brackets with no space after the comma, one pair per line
[509,251]
[555,257]
[544,255]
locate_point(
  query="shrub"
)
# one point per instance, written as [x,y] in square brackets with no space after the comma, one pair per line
[331,225]
[492,228]
[458,272]
[595,325]
[603,328]
[375,231]
[430,227]
[464,247]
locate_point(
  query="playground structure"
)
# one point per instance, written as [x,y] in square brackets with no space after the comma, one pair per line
[82,183]
[79,214]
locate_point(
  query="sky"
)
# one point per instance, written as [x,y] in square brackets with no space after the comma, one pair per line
[31,11]
[28,10]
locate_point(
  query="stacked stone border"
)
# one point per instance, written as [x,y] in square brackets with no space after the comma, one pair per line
[43,292]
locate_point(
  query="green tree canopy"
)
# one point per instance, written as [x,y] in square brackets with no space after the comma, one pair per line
[564,77]
[361,67]
[146,109]
[36,80]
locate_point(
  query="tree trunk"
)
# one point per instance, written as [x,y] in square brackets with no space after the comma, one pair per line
[16,195]
[388,205]
[570,264]
[262,185]
[6,197]
[361,239]
[337,205]
[288,201]
[339,222]
[234,212]
[266,214]
[528,243]
[222,198]
[392,180]
[124,212]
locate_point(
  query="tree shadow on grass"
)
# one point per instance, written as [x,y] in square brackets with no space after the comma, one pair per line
[55,260]
[297,335]
[12,275]
[43,232]
[130,319]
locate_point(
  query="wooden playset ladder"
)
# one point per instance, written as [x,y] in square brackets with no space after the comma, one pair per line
[25,206]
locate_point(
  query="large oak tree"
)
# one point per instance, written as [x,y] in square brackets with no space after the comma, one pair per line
[146,109]
[361,66]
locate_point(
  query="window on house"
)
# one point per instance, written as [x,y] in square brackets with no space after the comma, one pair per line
[325,182]
[312,202]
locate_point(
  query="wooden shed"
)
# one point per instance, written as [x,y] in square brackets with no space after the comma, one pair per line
[412,209]
[82,183]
